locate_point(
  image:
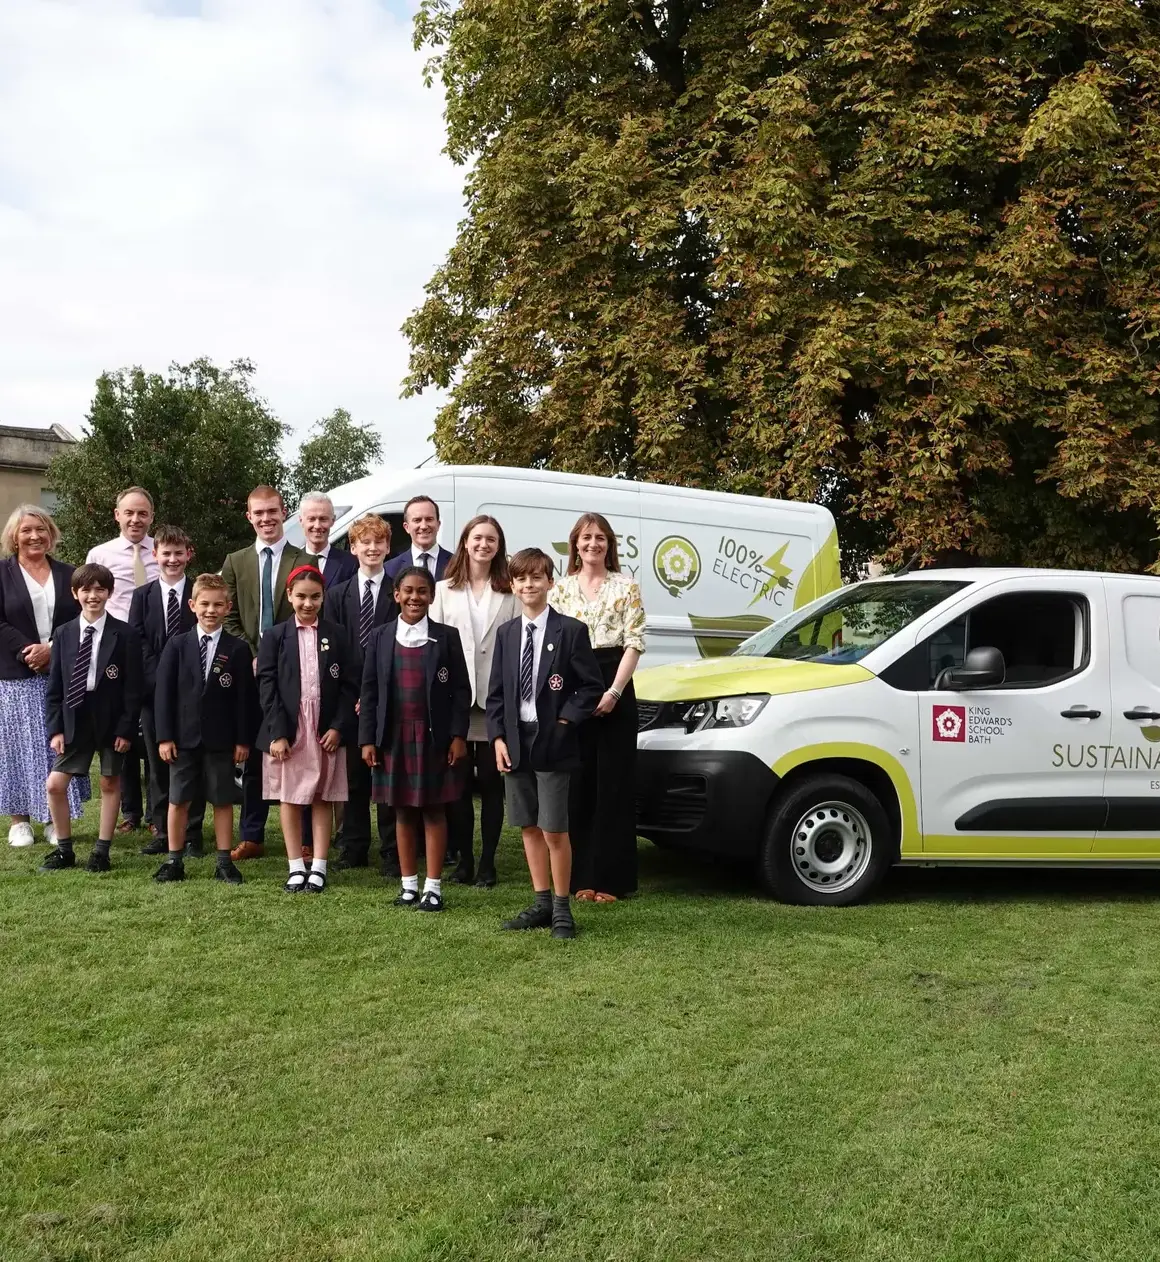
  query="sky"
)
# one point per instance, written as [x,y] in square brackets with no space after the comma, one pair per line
[257,179]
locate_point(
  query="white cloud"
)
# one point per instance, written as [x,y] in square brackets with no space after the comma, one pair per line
[231,178]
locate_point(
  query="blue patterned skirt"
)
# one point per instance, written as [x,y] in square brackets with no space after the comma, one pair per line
[25,758]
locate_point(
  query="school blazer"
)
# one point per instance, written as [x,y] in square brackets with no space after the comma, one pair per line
[280,683]
[115,702]
[397,564]
[218,712]
[18,622]
[147,618]
[343,604]
[244,576]
[448,687]
[337,568]
[569,686]
[451,605]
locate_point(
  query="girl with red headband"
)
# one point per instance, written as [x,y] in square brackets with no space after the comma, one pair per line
[308,686]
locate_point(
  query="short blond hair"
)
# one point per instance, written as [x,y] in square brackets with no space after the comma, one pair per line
[8,542]
[209,583]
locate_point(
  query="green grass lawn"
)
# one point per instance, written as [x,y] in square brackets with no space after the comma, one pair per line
[965,1069]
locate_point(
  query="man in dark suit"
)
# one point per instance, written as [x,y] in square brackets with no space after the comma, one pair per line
[256,578]
[421,522]
[316,516]
[360,604]
[158,611]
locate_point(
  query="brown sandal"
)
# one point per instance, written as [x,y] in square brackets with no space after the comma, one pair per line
[604,898]
[585,896]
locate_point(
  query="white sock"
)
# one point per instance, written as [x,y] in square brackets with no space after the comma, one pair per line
[411,883]
[433,885]
[297,865]
[318,865]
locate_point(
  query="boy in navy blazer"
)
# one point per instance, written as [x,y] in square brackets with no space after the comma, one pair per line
[158,611]
[205,712]
[93,708]
[545,681]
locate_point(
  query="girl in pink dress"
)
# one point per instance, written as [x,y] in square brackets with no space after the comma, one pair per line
[307,685]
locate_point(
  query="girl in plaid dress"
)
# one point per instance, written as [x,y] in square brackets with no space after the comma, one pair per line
[413,718]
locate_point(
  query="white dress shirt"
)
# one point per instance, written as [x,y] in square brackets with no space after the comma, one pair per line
[319,558]
[417,558]
[275,561]
[411,635]
[214,637]
[117,557]
[376,582]
[98,631]
[166,588]
[540,621]
[43,603]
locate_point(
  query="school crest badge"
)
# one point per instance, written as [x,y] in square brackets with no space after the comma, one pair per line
[111,672]
[335,670]
[225,679]
[444,674]
[556,682]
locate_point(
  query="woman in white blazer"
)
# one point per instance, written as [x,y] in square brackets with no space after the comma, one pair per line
[476,598]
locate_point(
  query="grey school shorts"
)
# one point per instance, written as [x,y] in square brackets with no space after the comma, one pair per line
[200,770]
[77,759]
[536,799]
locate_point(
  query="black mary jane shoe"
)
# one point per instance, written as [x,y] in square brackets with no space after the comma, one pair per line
[408,898]
[296,883]
[485,878]
[431,901]
[315,882]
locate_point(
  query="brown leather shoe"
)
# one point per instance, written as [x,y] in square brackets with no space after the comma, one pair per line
[247,850]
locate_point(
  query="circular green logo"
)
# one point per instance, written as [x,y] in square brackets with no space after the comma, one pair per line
[677,564]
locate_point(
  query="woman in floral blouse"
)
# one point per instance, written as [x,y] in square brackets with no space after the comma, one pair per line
[602,806]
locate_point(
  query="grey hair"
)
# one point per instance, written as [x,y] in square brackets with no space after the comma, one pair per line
[316,497]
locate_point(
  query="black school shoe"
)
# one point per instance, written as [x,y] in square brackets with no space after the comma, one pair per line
[431,902]
[532,917]
[159,845]
[464,873]
[315,882]
[296,883]
[58,859]
[173,870]
[485,877]
[194,850]
[98,863]
[408,898]
[564,928]
[228,873]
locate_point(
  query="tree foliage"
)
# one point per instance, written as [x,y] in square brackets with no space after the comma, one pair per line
[897,255]
[198,439]
[339,450]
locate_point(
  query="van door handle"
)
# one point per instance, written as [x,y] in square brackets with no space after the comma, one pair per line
[1080,712]
[1141,712]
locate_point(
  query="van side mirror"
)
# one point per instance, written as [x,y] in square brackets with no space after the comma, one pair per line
[984,668]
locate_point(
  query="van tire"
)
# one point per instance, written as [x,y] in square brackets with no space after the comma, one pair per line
[828,843]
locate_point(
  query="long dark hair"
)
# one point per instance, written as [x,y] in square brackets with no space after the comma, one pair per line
[459,567]
[611,559]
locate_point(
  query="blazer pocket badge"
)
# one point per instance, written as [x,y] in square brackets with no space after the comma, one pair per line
[335,670]
[324,647]
[111,672]
[225,679]
[556,682]
[444,674]
[551,648]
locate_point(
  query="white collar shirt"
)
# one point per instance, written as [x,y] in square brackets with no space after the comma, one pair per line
[417,556]
[98,632]
[165,588]
[278,548]
[214,640]
[540,622]
[411,635]
[376,582]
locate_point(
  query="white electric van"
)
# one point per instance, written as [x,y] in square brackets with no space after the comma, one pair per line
[713,568]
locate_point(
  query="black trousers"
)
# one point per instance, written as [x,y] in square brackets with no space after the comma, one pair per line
[132,806]
[461,814]
[255,808]
[602,798]
[355,838]
[159,787]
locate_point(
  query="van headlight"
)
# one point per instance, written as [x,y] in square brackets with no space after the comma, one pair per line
[701,716]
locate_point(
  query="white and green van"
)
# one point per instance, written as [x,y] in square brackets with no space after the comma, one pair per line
[979,716]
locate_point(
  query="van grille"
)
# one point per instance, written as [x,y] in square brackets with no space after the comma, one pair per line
[679,806]
[647,713]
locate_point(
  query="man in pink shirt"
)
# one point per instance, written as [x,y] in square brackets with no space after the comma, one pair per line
[130,559]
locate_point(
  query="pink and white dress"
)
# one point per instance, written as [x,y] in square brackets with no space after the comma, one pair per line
[310,772]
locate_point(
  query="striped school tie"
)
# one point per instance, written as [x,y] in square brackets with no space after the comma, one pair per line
[80,671]
[366,615]
[172,614]
[526,662]
[205,642]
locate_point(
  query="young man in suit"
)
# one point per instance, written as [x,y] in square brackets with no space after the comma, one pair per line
[256,579]
[360,604]
[159,611]
[93,708]
[421,522]
[316,516]
[545,681]
[206,711]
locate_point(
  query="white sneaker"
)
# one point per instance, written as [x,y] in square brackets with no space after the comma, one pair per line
[50,834]
[20,835]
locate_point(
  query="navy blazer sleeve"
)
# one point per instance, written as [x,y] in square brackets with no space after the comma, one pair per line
[589,681]
[149,659]
[54,702]
[134,691]
[165,696]
[273,712]
[460,685]
[368,712]
[496,729]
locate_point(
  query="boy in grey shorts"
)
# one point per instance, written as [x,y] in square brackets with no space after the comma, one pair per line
[544,682]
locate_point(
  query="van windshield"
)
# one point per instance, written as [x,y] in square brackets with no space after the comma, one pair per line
[850,623]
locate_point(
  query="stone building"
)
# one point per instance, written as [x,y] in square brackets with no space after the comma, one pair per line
[24,458]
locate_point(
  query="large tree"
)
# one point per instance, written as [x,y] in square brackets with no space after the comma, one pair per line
[897,255]
[339,449]
[198,439]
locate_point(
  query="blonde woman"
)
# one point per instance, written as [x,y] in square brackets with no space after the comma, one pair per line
[476,598]
[602,808]
[35,599]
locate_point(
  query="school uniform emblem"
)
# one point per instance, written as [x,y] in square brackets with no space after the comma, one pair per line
[225,679]
[556,682]
[111,672]
[325,646]
[335,670]
[444,674]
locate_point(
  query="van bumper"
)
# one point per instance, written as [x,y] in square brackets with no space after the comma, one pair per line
[712,800]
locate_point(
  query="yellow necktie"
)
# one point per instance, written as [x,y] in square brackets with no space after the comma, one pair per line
[138,567]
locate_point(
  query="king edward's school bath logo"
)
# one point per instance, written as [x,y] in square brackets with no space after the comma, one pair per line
[677,564]
[950,723]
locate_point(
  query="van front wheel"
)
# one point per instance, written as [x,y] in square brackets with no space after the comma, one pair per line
[828,843]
